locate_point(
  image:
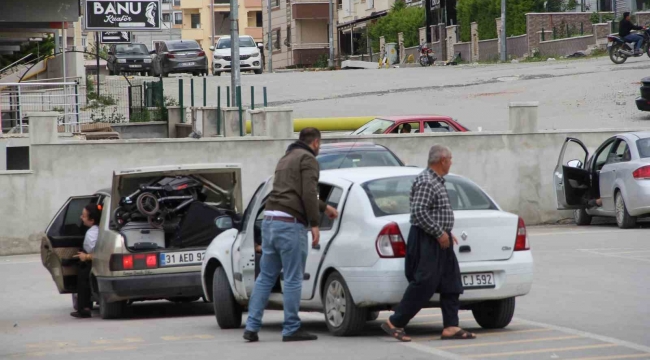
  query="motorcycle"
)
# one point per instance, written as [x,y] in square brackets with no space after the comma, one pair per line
[426,55]
[619,50]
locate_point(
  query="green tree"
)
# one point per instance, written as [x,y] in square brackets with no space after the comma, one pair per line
[484,13]
[400,18]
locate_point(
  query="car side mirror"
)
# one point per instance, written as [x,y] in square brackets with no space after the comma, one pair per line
[575,164]
[152,52]
[260,45]
[224,223]
[211,48]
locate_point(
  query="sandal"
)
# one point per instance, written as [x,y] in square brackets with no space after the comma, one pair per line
[459,335]
[397,333]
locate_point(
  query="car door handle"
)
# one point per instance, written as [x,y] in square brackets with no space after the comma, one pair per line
[465,248]
[316,247]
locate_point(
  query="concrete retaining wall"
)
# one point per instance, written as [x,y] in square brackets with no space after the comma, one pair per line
[535,22]
[488,50]
[148,130]
[563,47]
[517,46]
[464,50]
[516,169]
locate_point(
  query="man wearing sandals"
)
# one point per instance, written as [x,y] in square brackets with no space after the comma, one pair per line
[431,265]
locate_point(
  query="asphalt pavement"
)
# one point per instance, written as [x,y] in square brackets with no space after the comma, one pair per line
[589,301]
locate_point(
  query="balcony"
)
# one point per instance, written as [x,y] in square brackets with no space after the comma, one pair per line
[252,4]
[191,4]
[312,10]
[255,32]
[193,34]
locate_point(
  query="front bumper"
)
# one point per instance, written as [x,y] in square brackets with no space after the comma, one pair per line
[642,104]
[384,283]
[252,63]
[151,287]
[134,67]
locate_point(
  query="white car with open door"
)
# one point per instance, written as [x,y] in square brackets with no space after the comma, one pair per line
[155,227]
[358,267]
[618,173]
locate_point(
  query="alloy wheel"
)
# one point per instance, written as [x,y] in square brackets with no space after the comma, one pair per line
[335,303]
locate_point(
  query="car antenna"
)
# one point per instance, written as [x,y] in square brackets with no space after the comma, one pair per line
[348,152]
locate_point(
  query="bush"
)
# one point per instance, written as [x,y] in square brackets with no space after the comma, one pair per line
[484,12]
[407,20]
[321,63]
[143,115]
[595,19]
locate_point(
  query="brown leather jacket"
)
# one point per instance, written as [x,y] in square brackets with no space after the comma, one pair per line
[295,185]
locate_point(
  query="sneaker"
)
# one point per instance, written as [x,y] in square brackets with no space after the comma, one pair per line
[300,335]
[81,314]
[251,336]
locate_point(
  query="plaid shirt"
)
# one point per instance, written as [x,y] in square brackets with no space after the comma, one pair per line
[430,207]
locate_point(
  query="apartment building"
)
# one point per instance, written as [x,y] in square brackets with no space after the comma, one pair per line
[354,18]
[196,20]
[172,24]
[299,32]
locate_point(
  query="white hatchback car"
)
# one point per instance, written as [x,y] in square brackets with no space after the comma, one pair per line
[358,267]
[250,56]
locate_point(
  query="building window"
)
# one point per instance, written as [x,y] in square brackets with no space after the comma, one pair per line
[177,2]
[275,3]
[275,39]
[178,18]
[196,21]
[340,4]
[167,17]
[254,19]
[84,41]
[258,15]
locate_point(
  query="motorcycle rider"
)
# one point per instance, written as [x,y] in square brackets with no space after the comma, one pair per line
[625,28]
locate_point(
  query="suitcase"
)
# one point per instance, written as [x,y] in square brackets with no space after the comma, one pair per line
[141,236]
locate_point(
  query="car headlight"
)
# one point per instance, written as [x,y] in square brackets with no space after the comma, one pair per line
[121,61]
[218,57]
[255,54]
[147,61]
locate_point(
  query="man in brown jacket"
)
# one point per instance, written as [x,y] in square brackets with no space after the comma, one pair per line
[291,209]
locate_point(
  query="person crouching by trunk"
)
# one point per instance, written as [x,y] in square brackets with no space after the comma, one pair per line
[90,217]
[430,265]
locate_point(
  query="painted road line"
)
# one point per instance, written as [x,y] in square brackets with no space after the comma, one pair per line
[539,351]
[432,351]
[608,339]
[510,342]
[613,357]
[481,335]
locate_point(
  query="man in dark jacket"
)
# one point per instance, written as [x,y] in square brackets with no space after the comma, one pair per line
[292,208]
[431,265]
[625,28]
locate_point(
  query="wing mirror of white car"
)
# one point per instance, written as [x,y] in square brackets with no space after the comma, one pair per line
[260,45]
[223,223]
[575,164]
[211,48]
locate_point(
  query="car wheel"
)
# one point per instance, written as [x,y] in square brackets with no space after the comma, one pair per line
[110,72]
[258,72]
[150,73]
[111,310]
[623,218]
[581,217]
[372,315]
[217,73]
[226,309]
[494,314]
[342,316]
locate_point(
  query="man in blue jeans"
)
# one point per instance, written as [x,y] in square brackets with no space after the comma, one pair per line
[625,28]
[292,209]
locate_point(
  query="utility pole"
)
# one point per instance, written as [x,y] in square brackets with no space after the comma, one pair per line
[504,47]
[213,41]
[330,34]
[235,76]
[270,35]
[97,58]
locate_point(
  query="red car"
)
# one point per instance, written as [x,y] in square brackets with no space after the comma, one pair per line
[412,124]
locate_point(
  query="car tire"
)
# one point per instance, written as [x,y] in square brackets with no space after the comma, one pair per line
[581,217]
[226,309]
[217,73]
[372,315]
[111,310]
[494,314]
[623,218]
[150,73]
[164,74]
[110,72]
[258,72]
[342,316]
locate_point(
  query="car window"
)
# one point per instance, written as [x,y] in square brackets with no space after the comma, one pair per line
[249,208]
[184,45]
[376,126]
[131,49]
[68,222]
[621,153]
[332,196]
[603,155]
[412,127]
[437,126]
[353,159]
[390,196]
[643,145]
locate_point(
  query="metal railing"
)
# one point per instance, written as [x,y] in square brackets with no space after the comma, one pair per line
[17,100]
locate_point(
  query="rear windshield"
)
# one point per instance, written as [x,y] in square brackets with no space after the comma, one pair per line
[644,147]
[376,126]
[129,49]
[185,45]
[390,196]
[354,159]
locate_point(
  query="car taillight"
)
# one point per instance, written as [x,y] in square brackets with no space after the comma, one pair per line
[127,262]
[642,173]
[170,56]
[390,243]
[152,260]
[201,53]
[522,238]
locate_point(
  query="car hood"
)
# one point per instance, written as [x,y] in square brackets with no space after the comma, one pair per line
[242,51]
[225,178]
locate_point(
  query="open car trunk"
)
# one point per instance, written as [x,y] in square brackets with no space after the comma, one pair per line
[174,207]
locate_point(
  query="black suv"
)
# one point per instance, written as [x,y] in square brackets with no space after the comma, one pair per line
[129,58]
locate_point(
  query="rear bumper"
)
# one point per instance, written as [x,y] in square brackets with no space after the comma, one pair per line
[637,197]
[642,104]
[150,286]
[385,282]
[128,68]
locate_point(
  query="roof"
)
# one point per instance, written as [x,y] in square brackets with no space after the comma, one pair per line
[415,117]
[364,174]
[637,135]
[345,146]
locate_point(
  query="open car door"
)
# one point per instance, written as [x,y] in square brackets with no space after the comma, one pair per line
[570,178]
[63,239]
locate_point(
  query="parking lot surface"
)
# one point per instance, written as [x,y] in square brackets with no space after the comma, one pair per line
[589,301]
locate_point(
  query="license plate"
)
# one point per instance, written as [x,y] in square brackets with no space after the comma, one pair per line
[135,66]
[478,280]
[188,64]
[182,258]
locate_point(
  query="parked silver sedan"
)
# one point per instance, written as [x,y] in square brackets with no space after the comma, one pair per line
[618,174]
